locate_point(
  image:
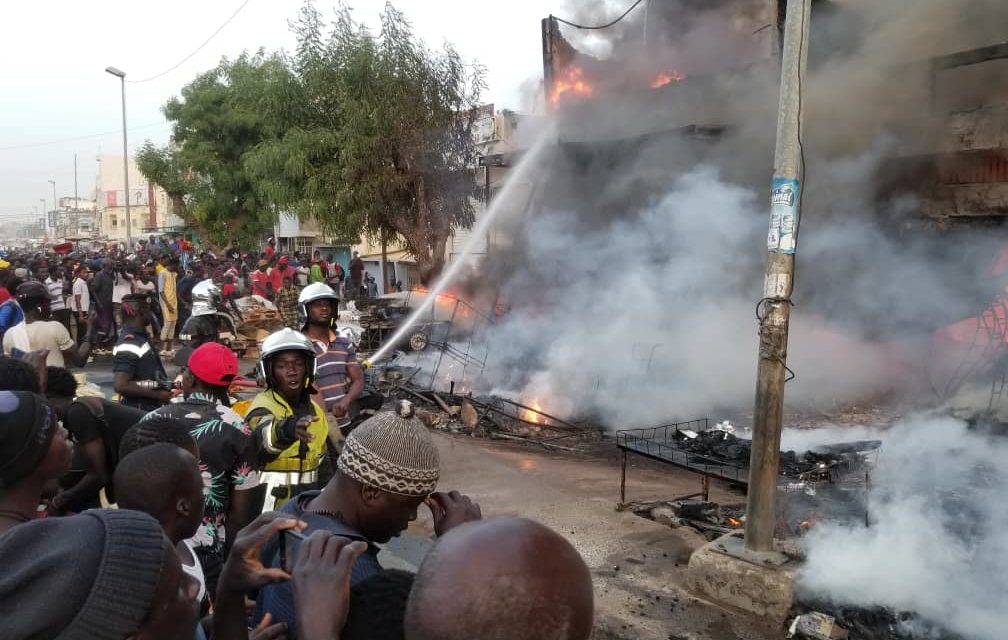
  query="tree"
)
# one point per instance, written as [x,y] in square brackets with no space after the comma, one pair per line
[220,117]
[382,142]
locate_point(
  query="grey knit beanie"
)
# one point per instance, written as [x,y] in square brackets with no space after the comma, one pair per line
[90,576]
[394,452]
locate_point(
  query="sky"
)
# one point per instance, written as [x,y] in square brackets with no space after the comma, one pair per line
[57,99]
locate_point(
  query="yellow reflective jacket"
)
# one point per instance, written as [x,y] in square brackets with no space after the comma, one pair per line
[278,408]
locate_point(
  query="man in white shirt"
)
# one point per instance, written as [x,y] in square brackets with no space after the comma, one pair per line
[40,331]
[123,286]
[81,301]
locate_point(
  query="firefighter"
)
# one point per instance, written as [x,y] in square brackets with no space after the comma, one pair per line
[291,426]
[202,326]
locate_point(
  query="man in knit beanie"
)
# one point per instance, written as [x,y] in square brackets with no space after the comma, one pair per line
[388,468]
[33,450]
[101,575]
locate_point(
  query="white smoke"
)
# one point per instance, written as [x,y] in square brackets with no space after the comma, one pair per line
[937,544]
[654,315]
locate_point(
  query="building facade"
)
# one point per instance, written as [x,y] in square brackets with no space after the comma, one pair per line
[150,208]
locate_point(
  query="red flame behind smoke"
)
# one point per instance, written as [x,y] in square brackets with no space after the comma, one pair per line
[664,78]
[571,82]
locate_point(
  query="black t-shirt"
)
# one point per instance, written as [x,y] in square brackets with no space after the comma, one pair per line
[134,355]
[85,426]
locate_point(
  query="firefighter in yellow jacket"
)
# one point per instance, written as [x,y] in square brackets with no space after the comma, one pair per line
[291,427]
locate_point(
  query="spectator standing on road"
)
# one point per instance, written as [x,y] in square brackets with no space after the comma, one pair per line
[261,282]
[356,276]
[140,378]
[169,305]
[228,451]
[40,331]
[287,303]
[123,287]
[103,285]
[53,280]
[278,273]
[81,301]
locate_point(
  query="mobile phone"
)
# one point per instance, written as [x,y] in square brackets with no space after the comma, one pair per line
[290,547]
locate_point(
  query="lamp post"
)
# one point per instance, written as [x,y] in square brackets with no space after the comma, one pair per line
[52,225]
[122,78]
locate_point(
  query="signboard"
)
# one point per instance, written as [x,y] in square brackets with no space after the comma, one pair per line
[784,198]
[138,197]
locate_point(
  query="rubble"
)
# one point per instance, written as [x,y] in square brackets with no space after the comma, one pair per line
[856,623]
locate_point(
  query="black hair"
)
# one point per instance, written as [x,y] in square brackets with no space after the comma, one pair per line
[155,429]
[60,383]
[150,477]
[378,607]
[17,375]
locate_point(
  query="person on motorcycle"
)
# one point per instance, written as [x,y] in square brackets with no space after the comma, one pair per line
[291,426]
[202,325]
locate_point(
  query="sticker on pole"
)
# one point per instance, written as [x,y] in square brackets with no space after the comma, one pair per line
[783,216]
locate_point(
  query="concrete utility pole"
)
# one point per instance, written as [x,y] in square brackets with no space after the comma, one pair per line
[775,307]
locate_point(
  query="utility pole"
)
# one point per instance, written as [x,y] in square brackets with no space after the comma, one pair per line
[55,210]
[75,217]
[775,307]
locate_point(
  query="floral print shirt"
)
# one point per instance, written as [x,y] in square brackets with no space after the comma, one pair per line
[227,459]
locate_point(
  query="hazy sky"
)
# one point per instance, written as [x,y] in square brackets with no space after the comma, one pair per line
[54,53]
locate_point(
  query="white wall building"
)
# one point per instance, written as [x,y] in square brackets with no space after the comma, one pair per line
[149,206]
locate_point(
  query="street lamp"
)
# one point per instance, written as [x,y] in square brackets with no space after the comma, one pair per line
[55,209]
[122,77]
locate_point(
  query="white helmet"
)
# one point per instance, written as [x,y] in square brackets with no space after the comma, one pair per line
[313,292]
[286,339]
[206,298]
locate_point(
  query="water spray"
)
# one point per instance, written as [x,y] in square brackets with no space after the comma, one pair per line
[479,231]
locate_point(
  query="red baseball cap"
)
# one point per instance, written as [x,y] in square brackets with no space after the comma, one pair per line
[212,363]
[283,260]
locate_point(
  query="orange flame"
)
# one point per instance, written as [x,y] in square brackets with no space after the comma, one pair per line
[533,415]
[664,78]
[571,82]
[734,522]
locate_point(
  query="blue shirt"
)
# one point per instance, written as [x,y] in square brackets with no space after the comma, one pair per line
[278,599]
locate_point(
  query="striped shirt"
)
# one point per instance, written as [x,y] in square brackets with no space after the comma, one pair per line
[56,293]
[332,377]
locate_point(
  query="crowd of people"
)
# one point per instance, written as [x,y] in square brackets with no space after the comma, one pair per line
[167,513]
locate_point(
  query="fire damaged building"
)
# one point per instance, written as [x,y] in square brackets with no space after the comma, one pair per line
[904,131]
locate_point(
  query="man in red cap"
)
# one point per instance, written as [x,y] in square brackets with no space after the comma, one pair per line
[228,451]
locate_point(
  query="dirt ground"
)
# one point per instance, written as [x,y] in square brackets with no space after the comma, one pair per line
[638,565]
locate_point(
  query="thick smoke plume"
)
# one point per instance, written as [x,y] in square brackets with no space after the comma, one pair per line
[632,279]
[937,543]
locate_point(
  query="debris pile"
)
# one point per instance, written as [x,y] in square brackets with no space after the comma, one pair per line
[875,623]
[483,416]
[710,519]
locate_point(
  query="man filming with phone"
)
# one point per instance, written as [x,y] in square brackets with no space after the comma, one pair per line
[389,466]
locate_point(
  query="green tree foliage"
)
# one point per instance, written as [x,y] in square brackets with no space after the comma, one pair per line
[221,116]
[381,143]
